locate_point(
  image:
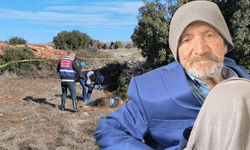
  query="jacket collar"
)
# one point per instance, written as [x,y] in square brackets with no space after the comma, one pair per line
[175,80]
[240,70]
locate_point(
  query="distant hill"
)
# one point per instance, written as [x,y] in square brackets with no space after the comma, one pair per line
[107,43]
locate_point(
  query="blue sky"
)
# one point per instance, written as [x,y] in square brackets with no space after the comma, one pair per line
[38,21]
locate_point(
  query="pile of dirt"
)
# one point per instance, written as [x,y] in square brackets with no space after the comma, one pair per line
[44,51]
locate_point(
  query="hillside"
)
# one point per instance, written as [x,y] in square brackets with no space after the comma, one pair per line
[30,117]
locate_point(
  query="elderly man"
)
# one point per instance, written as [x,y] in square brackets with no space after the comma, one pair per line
[165,102]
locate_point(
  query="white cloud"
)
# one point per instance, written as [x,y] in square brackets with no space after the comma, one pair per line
[63,8]
[97,14]
[123,8]
[66,19]
[58,1]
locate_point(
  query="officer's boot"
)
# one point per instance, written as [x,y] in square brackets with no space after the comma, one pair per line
[62,105]
[75,105]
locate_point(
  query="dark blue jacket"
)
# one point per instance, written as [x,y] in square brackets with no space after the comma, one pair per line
[67,68]
[162,106]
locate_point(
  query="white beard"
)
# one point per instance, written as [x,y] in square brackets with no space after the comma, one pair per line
[209,73]
[205,71]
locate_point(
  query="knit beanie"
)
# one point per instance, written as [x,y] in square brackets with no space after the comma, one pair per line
[204,11]
[101,78]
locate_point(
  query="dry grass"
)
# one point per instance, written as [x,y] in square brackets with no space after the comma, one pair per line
[30,117]
[7,74]
[120,55]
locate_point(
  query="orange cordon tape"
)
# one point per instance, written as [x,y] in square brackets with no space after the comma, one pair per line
[17,61]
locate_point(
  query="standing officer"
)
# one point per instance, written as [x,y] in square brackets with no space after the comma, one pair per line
[67,68]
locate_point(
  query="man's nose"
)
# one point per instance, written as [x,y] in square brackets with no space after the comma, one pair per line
[200,46]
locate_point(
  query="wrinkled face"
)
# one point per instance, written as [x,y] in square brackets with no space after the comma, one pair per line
[201,50]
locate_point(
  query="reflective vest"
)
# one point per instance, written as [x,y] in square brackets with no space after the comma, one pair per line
[66,69]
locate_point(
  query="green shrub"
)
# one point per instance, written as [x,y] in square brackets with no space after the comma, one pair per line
[123,86]
[16,41]
[12,54]
[118,75]
[112,72]
[98,44]
[46,69]
[129,45]
[74,40]
[118,43]
[135,68]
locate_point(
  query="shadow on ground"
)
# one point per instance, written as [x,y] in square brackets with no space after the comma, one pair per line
[44,102]
[39,100]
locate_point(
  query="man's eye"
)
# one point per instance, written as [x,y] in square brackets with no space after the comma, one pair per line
[209,35]
[186,40]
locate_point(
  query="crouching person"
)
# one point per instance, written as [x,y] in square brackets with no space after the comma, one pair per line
[89,80]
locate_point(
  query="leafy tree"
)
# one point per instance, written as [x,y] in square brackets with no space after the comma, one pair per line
[173,5]
[71,40]
[16,41]
[60,40]
[238,17]
[151,34]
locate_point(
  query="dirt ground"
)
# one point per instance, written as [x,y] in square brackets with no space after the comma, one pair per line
[31,119]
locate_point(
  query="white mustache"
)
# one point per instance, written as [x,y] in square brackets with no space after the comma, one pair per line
[203,57]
